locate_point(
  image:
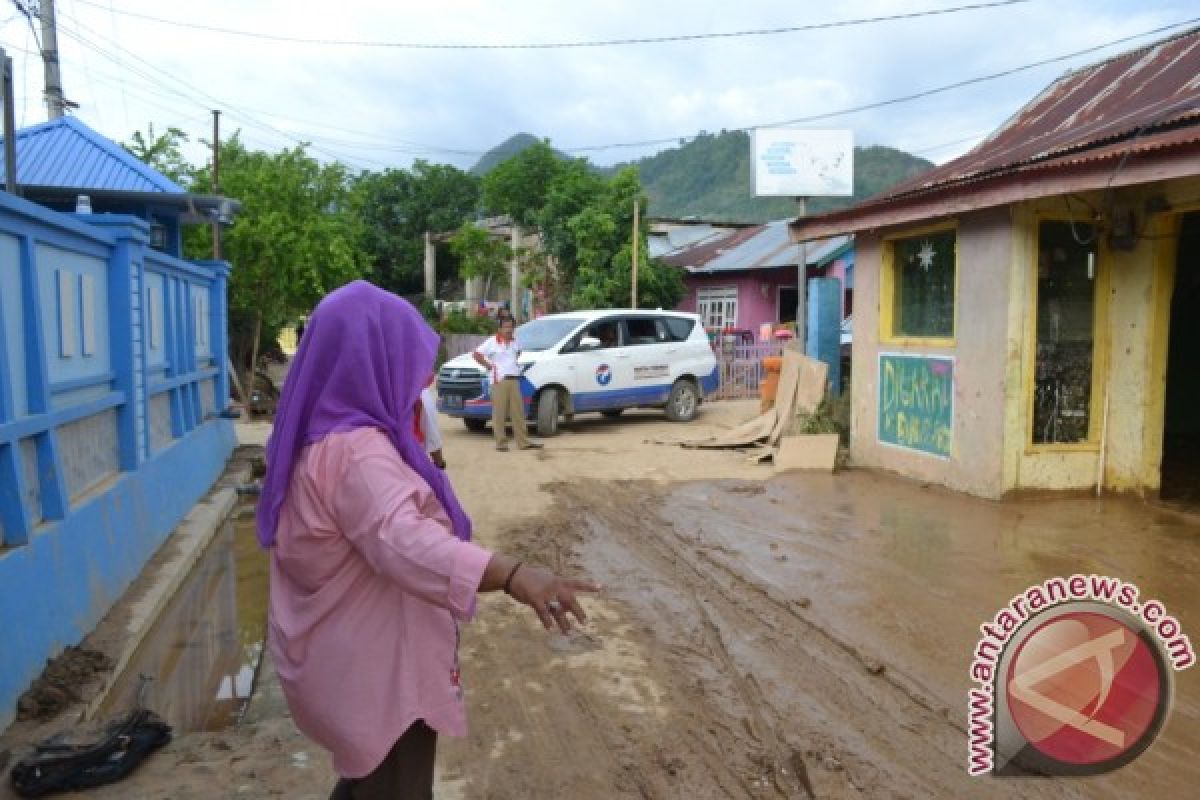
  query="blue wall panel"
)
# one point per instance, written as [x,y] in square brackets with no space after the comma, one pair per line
[825,325]
[59,318]
[55,589]
[74,411]
[12,360]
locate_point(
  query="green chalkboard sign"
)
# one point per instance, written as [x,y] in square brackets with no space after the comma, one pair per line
[916,402]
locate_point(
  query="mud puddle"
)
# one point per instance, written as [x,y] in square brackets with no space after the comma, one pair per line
[197,666]
[803,637]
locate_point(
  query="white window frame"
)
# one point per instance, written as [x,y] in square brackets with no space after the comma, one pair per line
[717,307]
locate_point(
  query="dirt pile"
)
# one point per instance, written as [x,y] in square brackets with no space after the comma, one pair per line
[62,683]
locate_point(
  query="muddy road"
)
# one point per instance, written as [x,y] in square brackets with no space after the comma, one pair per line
[760,635]
[791,638]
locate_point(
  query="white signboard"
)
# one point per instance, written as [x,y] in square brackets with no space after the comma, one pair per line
[796,162]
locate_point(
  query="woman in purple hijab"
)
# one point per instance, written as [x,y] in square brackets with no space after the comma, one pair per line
[372,567]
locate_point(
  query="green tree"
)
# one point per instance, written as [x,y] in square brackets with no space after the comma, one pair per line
[295,239]
[480,255]
[603,234]
[396,207]
[575,187]
[162,152]
[518,187]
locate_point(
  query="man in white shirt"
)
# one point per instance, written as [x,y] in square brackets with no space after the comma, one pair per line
[498,355]
[429,426]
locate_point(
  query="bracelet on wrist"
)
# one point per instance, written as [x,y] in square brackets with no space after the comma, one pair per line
[509,579]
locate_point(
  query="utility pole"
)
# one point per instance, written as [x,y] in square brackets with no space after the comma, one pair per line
[514,276]
[802,284]
[56,104]
[430,268]
[216,182]
[637,203]
[10,132]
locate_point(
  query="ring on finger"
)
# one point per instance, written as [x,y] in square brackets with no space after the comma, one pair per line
[553,606]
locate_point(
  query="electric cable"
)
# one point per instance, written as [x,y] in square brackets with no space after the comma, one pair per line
[570,44]
[234,111]
[902,99]
[410,148]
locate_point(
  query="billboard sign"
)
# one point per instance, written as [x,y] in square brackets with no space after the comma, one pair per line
[797,162]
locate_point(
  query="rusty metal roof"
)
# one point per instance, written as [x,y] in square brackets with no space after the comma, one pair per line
[765,246]
[1136,103]
[709,249]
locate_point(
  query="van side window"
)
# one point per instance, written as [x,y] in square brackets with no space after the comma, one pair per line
[606,331]
[678,328]
[642,330]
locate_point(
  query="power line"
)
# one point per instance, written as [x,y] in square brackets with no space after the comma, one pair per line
[412,148]
[897,100]
[564,45]
[235,111]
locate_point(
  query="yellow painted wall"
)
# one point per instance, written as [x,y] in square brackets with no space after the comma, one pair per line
[1133,312]
[994,350]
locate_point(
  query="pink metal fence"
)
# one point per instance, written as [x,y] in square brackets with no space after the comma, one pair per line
[740,367]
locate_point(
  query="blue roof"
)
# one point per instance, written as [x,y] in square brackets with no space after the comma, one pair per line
[68,154]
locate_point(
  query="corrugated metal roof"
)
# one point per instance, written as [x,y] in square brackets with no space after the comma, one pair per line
[680,238]
[1137,102]
[700,254]
[770,247]
[68,154]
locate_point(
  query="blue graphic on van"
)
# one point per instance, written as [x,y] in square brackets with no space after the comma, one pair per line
[603,375]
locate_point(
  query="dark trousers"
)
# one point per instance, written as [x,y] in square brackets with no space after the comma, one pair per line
[406,773]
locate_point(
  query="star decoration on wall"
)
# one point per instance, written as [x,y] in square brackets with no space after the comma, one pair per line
[925,255]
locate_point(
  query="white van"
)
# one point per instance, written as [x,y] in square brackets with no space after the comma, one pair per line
[603,361]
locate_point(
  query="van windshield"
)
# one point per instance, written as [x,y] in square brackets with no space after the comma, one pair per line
[542,334]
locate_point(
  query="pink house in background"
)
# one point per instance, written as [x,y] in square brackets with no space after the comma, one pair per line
[741,278]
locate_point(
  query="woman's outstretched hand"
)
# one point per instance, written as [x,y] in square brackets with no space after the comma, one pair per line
[551,596]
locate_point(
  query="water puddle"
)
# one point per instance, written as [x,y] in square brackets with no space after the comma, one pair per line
[201,657]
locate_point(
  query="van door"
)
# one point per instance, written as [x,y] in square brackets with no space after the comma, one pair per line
[599,366]
[653,360]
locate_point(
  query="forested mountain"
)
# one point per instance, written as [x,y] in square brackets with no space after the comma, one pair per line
[504,151]
[709,177]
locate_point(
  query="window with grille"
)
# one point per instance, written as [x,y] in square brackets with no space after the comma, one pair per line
[717,307]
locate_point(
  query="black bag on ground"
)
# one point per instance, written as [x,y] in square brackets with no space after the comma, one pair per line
[56,766]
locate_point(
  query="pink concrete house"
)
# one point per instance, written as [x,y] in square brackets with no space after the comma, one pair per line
[742,278]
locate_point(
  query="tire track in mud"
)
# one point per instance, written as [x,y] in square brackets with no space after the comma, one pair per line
[869,732]
[697,680]
[545,726]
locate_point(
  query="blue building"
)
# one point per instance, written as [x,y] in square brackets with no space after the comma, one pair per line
[113,384]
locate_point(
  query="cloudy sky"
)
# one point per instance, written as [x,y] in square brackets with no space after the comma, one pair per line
[346,77]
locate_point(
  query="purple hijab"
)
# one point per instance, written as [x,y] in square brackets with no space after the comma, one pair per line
[364,359]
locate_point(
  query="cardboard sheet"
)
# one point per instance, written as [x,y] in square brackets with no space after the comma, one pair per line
[808,451]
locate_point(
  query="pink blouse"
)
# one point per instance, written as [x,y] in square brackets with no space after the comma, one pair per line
[368,586]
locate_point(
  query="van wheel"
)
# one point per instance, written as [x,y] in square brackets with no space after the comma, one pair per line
[681,404]
[547,413]
[612,413]
[475,425]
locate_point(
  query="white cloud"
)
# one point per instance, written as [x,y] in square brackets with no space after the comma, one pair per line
[379,106]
